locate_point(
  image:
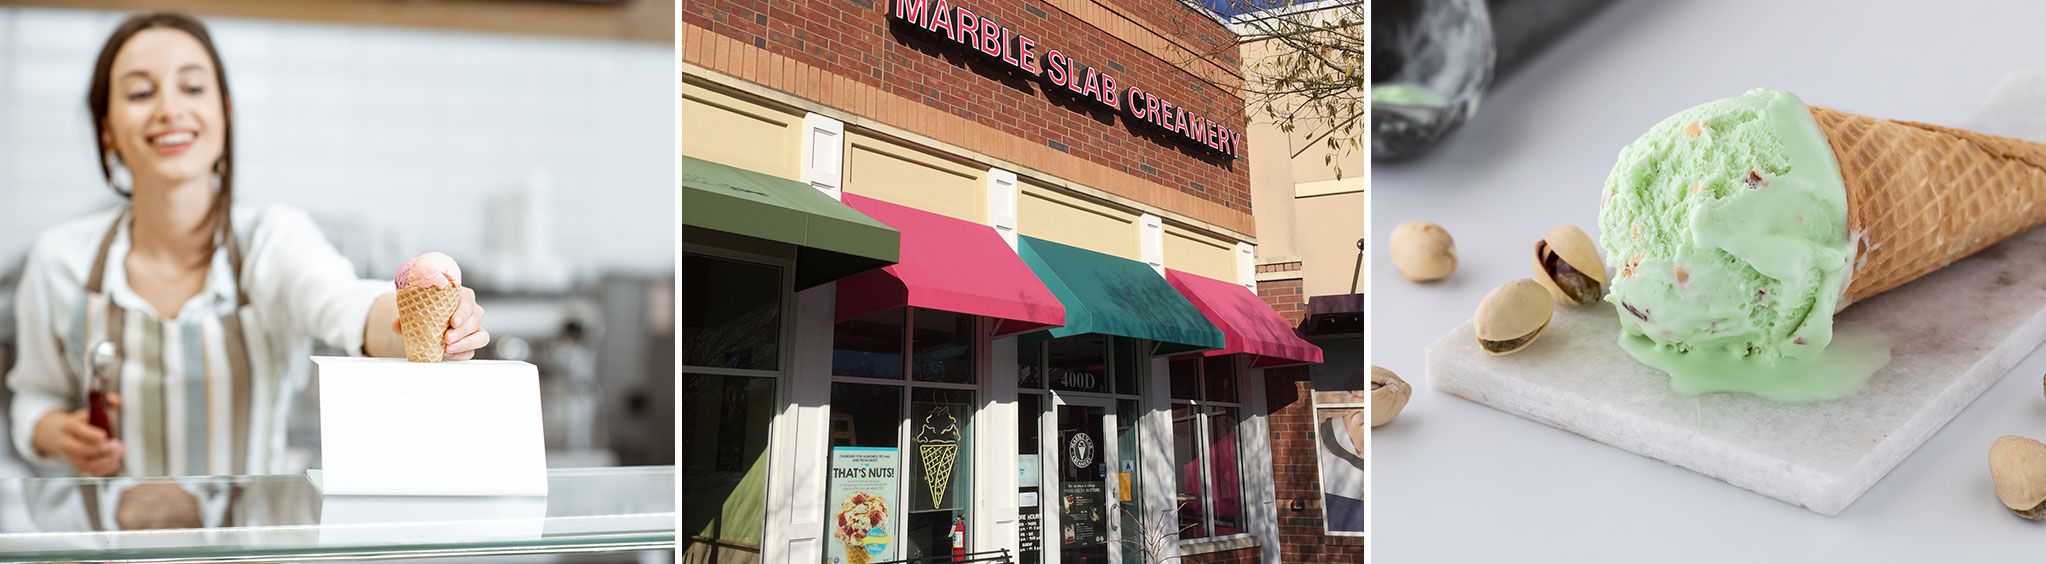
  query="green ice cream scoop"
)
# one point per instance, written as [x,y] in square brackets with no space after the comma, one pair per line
[1727,223]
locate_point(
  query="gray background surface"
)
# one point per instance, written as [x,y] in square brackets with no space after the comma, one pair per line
[1454,481]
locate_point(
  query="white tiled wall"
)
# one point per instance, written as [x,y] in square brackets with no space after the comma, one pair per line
[397,140]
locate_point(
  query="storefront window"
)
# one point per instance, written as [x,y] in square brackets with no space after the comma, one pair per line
[1029,480]
[943,347]
[1079,364]
[1030,366]
[731,341]
[1129,455]
[724,465]
[1127,359]
[1206,451]
[1339,398]
[1218,379]
[1225,493]
[731,313]
[917,434]
[1186,378]
[941,470]
[864,495]
[1094,455]
[865,415]
[1193,512]
[869,346]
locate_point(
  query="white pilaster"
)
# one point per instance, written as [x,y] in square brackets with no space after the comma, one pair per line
[1246,266]
[824,154]
[795,491]
[1151,241]
[1258,487]
[1160,483]
[1002,194]
[994,468]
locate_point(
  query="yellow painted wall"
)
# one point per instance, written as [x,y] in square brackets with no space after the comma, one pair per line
[1199,254]
[1045,213]
[1331,222]
[884,170]
[749,135]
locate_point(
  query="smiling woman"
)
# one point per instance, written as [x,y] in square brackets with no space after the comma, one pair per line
[191,318]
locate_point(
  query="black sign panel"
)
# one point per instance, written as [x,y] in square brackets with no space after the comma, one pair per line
[1083,513]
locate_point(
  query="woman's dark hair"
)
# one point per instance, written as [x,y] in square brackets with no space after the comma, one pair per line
[97,99]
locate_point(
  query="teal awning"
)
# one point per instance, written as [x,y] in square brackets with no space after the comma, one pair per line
[832,240]
[1117,296]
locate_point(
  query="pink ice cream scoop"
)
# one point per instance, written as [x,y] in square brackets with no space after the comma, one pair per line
[431,269]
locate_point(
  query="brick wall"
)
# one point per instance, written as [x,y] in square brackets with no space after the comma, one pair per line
[1285,296]
[1238,556]
[1296,479]
[1190,28]
[848,54]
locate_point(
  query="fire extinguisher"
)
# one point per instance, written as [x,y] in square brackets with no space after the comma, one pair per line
[958,537]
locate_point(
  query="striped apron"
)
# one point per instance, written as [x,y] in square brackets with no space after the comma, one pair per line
[188,389]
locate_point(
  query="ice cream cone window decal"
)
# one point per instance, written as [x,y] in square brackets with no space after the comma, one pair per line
[1080,450]
[937,445]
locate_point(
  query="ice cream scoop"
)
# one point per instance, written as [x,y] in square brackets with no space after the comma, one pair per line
[1728,224]
[434,269]
[429,292]
[1741,226]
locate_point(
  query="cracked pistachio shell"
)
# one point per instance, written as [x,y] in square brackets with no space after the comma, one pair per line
[2018,465]
[1422,251]
[1568,265]
[1389,395]
[1512,316]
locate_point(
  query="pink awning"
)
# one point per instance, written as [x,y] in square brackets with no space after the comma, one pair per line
[1248,325]
[952,265]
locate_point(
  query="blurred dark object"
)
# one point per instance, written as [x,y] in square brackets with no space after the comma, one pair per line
[637,362]
[1523,28]
[1433,60]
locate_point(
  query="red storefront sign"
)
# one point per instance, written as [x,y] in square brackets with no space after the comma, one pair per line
[982,33]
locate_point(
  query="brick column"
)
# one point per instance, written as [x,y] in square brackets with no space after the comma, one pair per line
[1279,283]
[1296,476]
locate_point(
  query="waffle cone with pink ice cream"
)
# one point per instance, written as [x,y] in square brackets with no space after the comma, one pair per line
[429,291]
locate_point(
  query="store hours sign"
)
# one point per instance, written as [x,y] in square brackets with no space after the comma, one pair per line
[960,24]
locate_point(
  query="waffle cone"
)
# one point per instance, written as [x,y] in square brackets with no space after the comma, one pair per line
[857,554]
[938,459]
[1922,196]
[423,313]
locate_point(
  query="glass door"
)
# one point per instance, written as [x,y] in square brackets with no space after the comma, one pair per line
[1083,510]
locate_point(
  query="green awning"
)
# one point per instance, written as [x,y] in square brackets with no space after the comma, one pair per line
[1117,296]
[832,240]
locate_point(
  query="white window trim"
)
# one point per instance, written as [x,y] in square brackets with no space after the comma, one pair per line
[716,371]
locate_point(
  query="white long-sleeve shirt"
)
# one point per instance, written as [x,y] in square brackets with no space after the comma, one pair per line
[300,288]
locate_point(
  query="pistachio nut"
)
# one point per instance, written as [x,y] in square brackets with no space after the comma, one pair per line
[1512,316]
[1388,395]
[2018,465]
[1567,263]
[1422,251]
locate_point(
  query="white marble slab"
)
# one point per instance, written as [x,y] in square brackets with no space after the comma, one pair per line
[1955,331]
